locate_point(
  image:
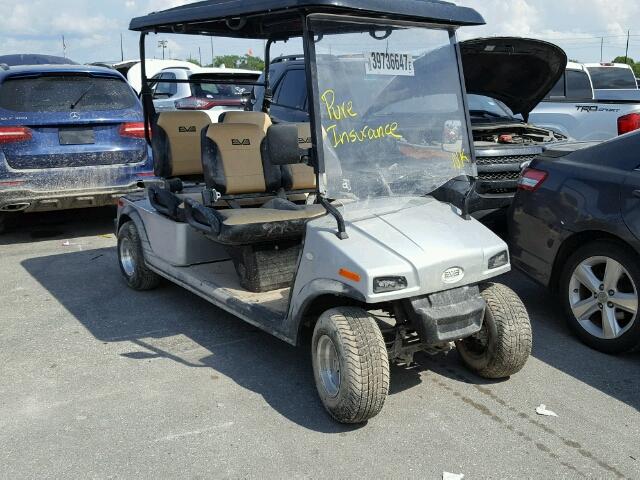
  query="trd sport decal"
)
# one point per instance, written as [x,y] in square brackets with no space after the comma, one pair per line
[244,143]
[187,129]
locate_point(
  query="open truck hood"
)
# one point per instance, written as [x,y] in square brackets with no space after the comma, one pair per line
[519,72]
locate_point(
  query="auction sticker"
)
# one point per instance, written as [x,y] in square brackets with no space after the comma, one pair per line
[388,63]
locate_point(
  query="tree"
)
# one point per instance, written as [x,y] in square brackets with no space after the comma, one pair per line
[236,61]
[629,61]
[193,60]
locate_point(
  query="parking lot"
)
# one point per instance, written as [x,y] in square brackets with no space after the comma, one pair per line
[101,382]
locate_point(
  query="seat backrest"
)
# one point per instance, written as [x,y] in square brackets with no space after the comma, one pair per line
[260,119]
[232,160]
[300,177]
[176,142]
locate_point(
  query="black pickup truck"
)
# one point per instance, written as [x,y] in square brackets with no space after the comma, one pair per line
[506,78]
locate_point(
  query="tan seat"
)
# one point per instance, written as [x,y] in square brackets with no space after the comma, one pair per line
[176,143]
[295,177]
[232,160]
[300,177]
[259,119]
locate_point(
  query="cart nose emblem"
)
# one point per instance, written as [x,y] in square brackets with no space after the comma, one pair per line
[453,275]
[74,116]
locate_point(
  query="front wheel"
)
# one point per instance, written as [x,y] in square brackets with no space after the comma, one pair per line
[350,364]
[503,345]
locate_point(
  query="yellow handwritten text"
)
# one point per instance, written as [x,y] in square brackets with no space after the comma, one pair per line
[362,135]
[338,112]
[459,159]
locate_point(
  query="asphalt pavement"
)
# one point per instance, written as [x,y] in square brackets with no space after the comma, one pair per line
[98,381]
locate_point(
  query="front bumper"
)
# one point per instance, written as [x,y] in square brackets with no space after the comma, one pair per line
[26,200]
[447,316]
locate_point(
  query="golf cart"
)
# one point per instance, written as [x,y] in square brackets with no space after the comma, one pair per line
[354,226]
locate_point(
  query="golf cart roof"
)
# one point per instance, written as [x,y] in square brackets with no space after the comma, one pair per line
[281,18]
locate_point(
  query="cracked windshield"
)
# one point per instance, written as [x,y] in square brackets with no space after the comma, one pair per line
[391,110]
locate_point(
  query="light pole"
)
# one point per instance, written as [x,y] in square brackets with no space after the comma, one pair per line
[163,44]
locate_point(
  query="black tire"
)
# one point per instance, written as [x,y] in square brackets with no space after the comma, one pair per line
[362,361]
[131,260]
[629,340]
[3,223]
[503,346]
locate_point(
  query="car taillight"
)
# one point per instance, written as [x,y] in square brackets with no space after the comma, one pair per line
[531,179]
[132,130]
[195,103]
[14,134]
[12,183]
[628,123]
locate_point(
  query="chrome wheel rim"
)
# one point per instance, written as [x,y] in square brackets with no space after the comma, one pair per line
[126,257]
[328,366]
[603,297]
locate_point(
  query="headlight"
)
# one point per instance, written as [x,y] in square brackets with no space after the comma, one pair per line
[389,284]
[499,260]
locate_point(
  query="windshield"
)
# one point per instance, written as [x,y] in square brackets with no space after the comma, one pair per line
[487,107]
[217,91]
[62,93]
[393,119]
[605,78]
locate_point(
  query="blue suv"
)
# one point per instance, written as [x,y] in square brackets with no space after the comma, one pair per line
[71,136]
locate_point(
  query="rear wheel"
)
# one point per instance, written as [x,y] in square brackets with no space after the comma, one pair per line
[503,345]
[599,287]
[3,222]
[350,364]
[131,258]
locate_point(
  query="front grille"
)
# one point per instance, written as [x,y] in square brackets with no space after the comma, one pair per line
[493,180]
[505,160]
[498,176]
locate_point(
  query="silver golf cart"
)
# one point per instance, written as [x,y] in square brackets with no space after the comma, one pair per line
[353,226]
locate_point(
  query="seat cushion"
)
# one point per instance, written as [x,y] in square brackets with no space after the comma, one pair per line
[250,216]
[262,225]
[250,226]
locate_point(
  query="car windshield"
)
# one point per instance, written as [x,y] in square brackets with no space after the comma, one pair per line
[62,93]
[487,107]
[605,78]
[391,107]
[216,91]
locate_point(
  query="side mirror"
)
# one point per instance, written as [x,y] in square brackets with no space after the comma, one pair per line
[281,145]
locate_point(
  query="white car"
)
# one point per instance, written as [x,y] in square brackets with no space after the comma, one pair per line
[213,97]
[131,69]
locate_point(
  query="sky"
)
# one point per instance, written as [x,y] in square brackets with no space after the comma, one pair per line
[92,28]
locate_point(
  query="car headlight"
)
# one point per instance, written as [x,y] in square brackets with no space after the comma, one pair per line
[389,284]
[499,260]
